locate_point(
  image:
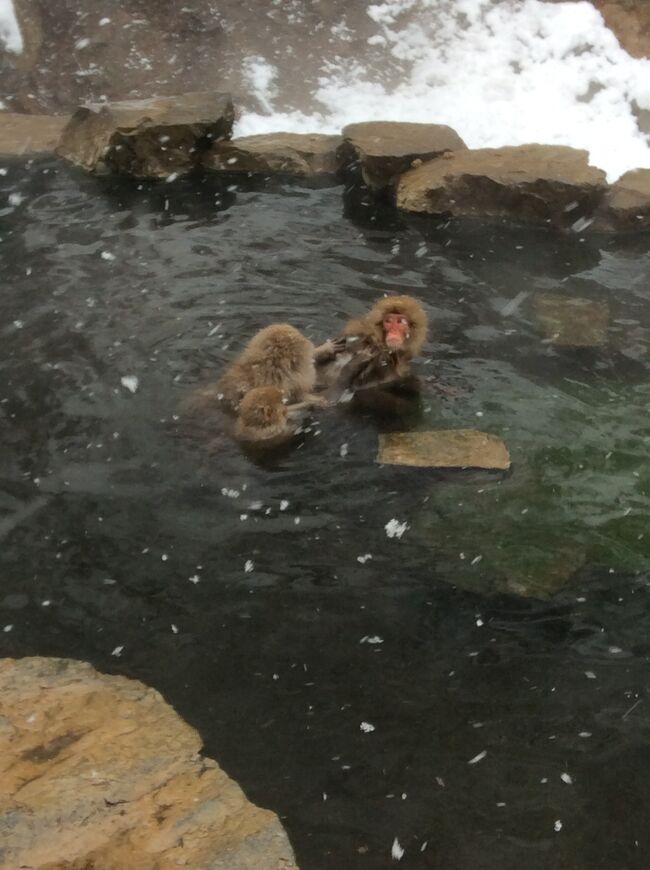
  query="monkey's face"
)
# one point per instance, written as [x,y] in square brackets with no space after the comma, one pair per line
[397,330]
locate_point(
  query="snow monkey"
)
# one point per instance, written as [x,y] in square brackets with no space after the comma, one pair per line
[378,350]
[276,369]
[265,418]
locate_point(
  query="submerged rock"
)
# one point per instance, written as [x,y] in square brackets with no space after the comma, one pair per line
[147,138]
[569,321]
[531,183]
[30,134]
[626,207]
[98,771]
[382,150]
[446,448]
[298,154]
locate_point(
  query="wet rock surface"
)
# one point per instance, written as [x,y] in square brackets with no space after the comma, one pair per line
[529,183]
[380,151]
[569,321]
[447,448]
[30,134]
[147,138]
[627,204]
[98,771]
[296,154]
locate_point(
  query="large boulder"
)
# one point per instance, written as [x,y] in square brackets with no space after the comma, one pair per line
[98,771]
[380,151]
[530,183]
[147,138]
[297,154]
[626,207]
[30,134]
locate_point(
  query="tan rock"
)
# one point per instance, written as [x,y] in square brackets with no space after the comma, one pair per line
[98,771]
[570,321]
[298,154]
[447,448]
[147,138]
[30,134]
[382,150]
[626,206]
[529,183]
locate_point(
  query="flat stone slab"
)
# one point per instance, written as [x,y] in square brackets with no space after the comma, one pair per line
[382,150]
[30,134]
[445,448]
[98,771]
[626,207]
[528,183]
[152,138]
[295,154]
[570,321]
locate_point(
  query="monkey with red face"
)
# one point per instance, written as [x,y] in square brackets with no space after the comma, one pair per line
[377,349]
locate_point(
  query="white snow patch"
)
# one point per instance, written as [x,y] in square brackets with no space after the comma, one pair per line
[130,383]
[374,639]
[567,778]
[478,757]
[366,727]
[395,529]
[498,72]
[117,651]
[363,559]
[10,34]
[557,826]
[396,851]
[248,566]
[106,255]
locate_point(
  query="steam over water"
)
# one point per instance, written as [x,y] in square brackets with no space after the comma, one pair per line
[500,73]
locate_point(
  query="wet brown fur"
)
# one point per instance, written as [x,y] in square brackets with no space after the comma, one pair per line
[371,363]
[263,415]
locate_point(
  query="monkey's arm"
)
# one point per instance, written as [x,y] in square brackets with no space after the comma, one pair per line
[328,351]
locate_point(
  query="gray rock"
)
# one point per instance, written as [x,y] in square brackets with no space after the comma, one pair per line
[382,150]
[30,134]
[98,771]
[147,138]
[626,208]
[446,448]
[569,321]
[528,183]
[297,154]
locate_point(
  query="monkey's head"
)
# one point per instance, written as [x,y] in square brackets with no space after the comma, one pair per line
[400,323]
[262,415]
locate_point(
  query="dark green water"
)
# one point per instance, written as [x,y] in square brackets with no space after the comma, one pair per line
[513,611]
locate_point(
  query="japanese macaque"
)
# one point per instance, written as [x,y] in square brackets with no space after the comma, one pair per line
[378,348]
[277,356]
[264,417]
[267,388]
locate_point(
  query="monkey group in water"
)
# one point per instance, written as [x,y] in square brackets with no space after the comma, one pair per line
[280,375]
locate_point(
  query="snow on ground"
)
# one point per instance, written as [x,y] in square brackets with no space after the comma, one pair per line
[10,35]
[500,72]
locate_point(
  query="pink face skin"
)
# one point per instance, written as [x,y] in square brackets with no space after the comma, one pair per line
[396,331]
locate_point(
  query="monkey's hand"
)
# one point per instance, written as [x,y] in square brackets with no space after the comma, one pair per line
[327,351]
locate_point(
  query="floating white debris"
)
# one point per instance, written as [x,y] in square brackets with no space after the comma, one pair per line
[476,560]
[478,757]
[343,450]
[15,198]
[366,727]
[117,651]
[106,255]
[396,851]
[557,825]
[566,777]
[172,177]
[230,493]
[371,639]
[164,557]
[590,675]
[19,324]
[7,628]
[194,579]
[130,383]
[363,559]
[174,628]
[284,504]
[395,529]
[584,734]
[248,566]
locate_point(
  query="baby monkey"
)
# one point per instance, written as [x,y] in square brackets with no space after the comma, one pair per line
[378,348]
